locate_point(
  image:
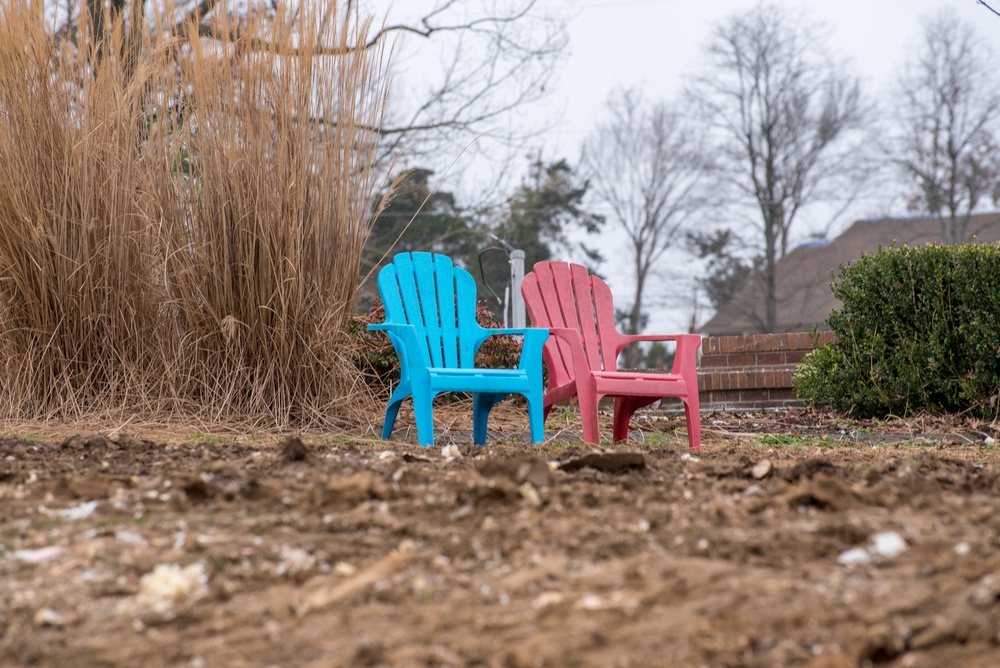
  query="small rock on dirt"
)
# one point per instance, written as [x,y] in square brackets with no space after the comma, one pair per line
[761,469]
[293,450]
[88,441]
[612,462]
[533,470]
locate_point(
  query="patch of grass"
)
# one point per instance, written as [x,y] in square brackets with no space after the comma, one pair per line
[798,441]
[204,439]
[216,562]
[659,438]
[45,523]
[20,436]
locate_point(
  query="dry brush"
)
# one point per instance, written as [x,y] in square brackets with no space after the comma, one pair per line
[181,219]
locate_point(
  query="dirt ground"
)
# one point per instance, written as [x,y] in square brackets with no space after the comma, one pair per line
[791,539]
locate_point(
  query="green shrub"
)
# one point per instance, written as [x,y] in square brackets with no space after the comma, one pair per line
[919,331]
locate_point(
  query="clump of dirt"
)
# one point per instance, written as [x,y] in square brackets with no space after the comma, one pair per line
[790,551]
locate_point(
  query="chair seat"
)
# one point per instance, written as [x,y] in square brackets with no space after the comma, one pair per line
[640,384]
[479,380]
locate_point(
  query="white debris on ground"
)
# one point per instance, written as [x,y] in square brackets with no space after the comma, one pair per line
[80,512]
[293,560]
[855,556]
[169,584]
[883,545]
[40,555]
[888,545]
[450,452]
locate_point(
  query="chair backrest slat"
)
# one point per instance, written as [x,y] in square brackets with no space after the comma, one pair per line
[561,294]
[465,294]
[588,305]
[423,273]
[445,275]
[427,291]
[545,309]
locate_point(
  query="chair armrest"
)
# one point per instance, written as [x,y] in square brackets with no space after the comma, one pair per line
[531,349]
[400,329]
[685,358]
[404,337]
[572,337]
[633,338]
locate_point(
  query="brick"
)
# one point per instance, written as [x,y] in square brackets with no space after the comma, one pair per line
[771,359]
[740,344]
[722,381]
[826,337]
[799,341]
[740,360]
[781,394]
[795,356]
[713,361]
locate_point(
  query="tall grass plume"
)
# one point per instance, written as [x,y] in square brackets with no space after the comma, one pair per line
[182,217]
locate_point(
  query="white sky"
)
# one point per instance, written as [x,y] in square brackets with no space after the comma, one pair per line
[652,44]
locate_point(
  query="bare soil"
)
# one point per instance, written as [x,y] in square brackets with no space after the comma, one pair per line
[793,539]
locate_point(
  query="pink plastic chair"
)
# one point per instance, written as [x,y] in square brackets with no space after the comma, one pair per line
[581,356]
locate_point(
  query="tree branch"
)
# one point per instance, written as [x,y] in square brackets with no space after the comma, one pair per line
[983,3]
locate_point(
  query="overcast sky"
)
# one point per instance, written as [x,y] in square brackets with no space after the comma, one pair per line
[652,44]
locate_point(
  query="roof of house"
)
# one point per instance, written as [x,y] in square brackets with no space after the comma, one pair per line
[803,276]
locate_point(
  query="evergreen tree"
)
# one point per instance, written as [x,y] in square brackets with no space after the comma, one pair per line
[419,219]
[545,218]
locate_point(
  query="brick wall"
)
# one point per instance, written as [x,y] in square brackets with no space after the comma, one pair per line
[753,371]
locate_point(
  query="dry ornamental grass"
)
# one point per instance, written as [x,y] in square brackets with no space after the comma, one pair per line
[182,218]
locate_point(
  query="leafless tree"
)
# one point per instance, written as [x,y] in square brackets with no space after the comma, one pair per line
[644,164]
[470,67]
[947,115]
[463,70]
[786,121]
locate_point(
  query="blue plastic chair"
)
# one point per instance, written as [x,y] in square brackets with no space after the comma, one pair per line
[430,316]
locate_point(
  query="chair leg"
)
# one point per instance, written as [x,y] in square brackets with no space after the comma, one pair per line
[692,415]
[482,404]
[423,412]
[623,413]
[625,407]
[536,419]
[588,415]
[392,410]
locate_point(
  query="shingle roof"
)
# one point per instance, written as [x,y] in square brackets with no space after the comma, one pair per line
[803,276]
